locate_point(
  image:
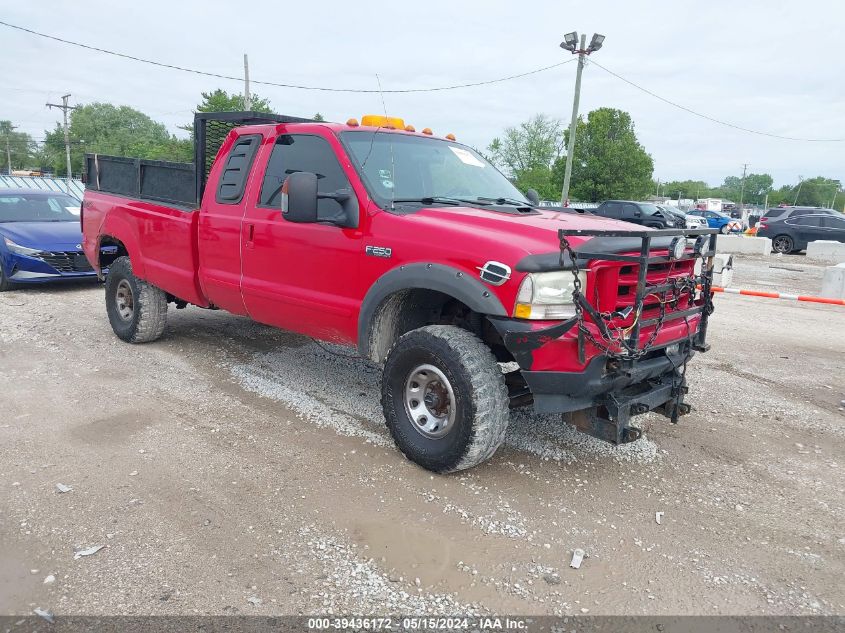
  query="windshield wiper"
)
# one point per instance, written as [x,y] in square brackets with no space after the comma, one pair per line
[439,200]
[511,201]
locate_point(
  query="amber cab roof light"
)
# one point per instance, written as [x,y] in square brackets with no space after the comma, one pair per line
[377,120]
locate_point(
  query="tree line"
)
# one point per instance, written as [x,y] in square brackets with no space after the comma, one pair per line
[610,162]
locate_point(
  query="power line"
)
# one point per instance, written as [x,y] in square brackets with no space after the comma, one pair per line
[281,85]
[709,118]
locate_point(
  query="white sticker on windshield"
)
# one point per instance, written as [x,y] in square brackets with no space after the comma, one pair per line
[466,157]
[74,210]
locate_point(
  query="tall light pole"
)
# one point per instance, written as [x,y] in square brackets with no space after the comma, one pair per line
[247,97]
[571,43]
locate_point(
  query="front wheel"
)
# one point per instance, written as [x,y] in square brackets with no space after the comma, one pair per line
[5,284]
[444,398]
[137,310]
[783,244]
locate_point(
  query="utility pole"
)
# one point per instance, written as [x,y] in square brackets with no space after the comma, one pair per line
[247,98]
[742,188]
[798,193]
[570,42]
[64,108]
[8,150]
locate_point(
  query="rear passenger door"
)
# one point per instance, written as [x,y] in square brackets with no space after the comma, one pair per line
[611,210]
[808,228]
[220,224]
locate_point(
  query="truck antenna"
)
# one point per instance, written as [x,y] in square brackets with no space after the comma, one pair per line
[392,159]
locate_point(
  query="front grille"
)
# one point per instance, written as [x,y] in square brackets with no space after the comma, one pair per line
[67,261]
[614,286]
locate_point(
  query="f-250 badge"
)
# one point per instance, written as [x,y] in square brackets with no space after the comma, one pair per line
[378,251]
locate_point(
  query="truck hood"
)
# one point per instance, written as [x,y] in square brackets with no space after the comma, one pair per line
[44,235]
[526,234]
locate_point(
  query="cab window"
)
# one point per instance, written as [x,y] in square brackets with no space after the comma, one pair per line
[613,210]
[302,152]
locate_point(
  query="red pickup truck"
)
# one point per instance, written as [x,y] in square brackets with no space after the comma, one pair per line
[417,251]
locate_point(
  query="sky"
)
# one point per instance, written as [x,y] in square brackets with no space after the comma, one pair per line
[772,66]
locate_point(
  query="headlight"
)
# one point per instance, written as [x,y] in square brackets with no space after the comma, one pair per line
[20,250]
[546,296]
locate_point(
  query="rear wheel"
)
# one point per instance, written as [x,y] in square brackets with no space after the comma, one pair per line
[137,310]
[444,398]
[725,230]
[783,244]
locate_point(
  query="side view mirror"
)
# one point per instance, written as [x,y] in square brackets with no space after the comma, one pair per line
[638,214]
[533,197]
[299,197]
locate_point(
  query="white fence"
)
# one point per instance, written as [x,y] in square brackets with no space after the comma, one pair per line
[73,187]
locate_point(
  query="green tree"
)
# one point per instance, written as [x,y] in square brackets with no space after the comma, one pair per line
[757,186]
[816,192]
[690,189]
[20,145]
[104,128]
[527,152]
[319,117]
[221,101]
[609,161]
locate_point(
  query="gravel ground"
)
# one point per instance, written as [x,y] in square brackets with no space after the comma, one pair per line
[232,468]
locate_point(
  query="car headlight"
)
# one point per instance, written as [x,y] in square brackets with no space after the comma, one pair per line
[20,250]
[546,296]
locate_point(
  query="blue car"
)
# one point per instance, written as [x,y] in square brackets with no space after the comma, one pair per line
[40,238]
[716,220]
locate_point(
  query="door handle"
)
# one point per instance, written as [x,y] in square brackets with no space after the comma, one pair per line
[250,235]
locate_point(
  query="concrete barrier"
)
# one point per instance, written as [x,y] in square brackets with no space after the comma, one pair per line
[826,250]
[742,244]
[833,282]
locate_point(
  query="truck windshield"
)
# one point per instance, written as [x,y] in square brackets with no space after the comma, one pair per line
[38,207]
[405,167]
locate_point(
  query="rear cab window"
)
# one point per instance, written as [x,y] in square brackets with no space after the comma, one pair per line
[236,169]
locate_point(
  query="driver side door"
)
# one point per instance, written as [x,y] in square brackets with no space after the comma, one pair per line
[301,277]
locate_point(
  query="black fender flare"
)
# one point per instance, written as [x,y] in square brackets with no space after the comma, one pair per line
[446,279]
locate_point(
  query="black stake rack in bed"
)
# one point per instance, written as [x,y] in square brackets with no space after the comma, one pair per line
[181,184]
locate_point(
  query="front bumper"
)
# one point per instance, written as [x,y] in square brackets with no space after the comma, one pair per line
[647,381]
[27,269]
[602,399]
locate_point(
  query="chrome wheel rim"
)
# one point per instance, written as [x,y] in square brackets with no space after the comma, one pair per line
[124,301]
[430,401]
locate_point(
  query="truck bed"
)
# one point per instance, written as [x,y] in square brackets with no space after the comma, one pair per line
[161,240]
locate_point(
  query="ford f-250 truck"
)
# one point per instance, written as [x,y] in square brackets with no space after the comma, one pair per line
[417,251]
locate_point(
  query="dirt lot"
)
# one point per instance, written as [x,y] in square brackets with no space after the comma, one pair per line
[232,468]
